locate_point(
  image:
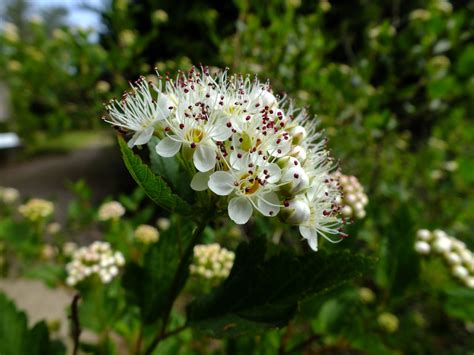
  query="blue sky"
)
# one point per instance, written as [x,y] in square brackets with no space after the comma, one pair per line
[77,16]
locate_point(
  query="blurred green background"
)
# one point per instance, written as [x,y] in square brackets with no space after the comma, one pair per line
[392,83]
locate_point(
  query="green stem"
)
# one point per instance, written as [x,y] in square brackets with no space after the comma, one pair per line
[182,269]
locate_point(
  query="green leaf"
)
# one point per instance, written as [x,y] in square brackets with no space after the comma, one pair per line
[171,171]
[149,285]
[154,186]
[460,304]
[261,294]
[399,266]
[17,339]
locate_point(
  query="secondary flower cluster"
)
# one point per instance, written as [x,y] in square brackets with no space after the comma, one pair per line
[454,252]
[240,141]
[112,210]
[98,258]
[211,261]
[8,195]
[146,234]
[354,199]
[37,209]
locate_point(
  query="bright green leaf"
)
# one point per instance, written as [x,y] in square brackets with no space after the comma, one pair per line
[154,186]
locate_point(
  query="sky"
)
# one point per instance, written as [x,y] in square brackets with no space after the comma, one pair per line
[77,16]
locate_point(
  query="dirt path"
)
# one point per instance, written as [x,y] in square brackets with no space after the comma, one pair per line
[100,167]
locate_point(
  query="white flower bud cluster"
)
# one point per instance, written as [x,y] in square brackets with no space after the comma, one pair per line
[112,210]
[9,195]
[211,261]
[98,258]
[353,200]
[255,150]
[48,252]
[146,234]
[69,248]
[37,209]
[388,322]
[163,223]
[454,252]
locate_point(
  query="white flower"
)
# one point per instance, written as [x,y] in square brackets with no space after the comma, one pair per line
[212,261]
[146,234]
[354,199]
[99,259]
[323,218]
[112,210]
[37,209]
[252,183]
[238,139]
[139,111]
[9,195]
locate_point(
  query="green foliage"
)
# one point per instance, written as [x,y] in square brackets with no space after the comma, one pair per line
[149,285]
[170,170]
[17,339]
[262,293]
[460,304]
[155,187]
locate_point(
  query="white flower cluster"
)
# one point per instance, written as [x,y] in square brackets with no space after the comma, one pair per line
[146,234]
[98,258]
[353,199]
[237,139]
[37,209]
[211,261]
[454,252]
[8,195]
[112,210]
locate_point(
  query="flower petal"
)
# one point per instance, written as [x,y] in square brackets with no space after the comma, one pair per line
[200,181]
[268,204]
[274,171]
[163,105]
[141,137]
[204,157]
[311,236]
[221,132]
[168,147]
[240,210]
[221,183]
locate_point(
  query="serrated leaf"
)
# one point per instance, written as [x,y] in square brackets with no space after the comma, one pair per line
[17,339]
[261,294]
[171,171]
[154,186]
[148,285]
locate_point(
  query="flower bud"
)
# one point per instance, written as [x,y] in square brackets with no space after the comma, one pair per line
[388,322]
[296,179]
[299,153]
[299,134]
[422,247]
[366,295]
[442,245]
[297,212]
[423,234]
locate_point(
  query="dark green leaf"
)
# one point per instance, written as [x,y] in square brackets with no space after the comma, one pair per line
[262,294]
[460,304]
[148,285]
[171,171]
[154,186]
[17,339]
[399,267]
